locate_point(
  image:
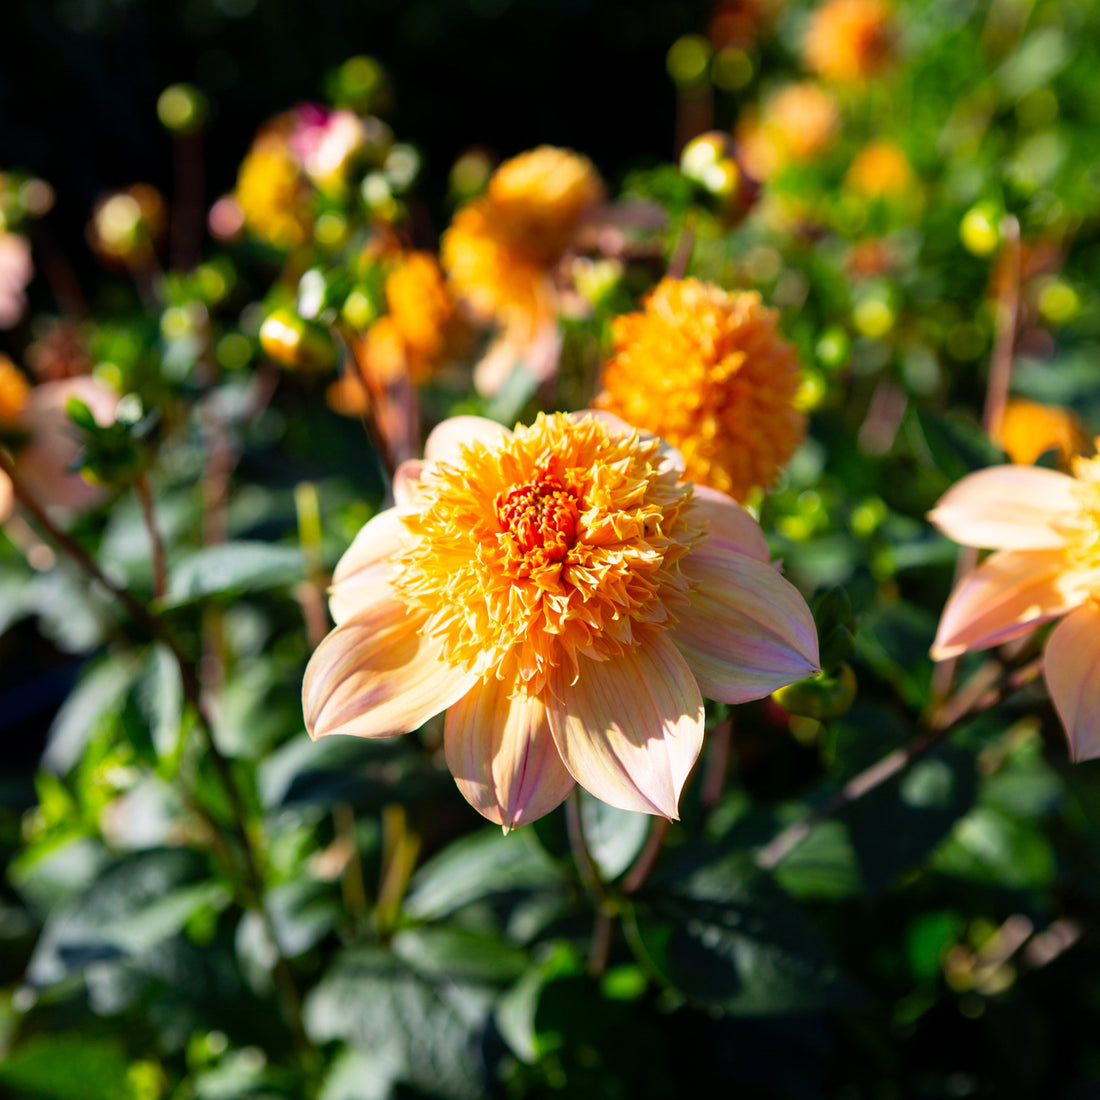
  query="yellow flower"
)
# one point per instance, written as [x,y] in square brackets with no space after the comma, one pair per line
[271,192]
[1044,528]
[1027,429]
[501,247]
[708,371]
[850,40]
[798,123]
[880,171]
[566,598]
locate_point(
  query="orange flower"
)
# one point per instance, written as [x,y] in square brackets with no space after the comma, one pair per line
[501,248]
[798,123]
[566,599]
[1027,429]
[1044,527]
[850,40]
[708,371]
[880,171]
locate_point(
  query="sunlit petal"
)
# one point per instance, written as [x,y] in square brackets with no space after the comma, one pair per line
[376,676]
[1007,508]
[445,441]
[729,525]
[367,564]
[747,632]
[1071,667]
[502,755]
[406,480]
[1008,594]
[630,728]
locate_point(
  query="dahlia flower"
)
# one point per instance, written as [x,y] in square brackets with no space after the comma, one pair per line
[797,124]
[850,40]
[708,371]
[1044,527]
[567,599]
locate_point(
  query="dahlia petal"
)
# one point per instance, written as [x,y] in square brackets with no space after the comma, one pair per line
[630,728]
[1007,508]
[747,631]
[406,481]
[1009,593]
[730,526]
[502,754]
[367,564]
[617,424]
[376,676]
[1071,667]
[444,441]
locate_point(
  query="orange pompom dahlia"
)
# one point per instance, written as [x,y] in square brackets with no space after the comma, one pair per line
[708,371]
[1044,527]
[566,599]
[850,40]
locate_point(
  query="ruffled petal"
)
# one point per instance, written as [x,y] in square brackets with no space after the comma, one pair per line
[367,564]
[747,631]
[1011,592]
[1071,667]
[731,527]
[670,455]
[375,676]
[502,754]
[443,444]
[1007,508]
[630,728]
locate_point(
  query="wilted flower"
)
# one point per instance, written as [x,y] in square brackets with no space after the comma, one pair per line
[128,225]
[850,40]
[709,372]
[1044,527]
[16,270]
[797,124]
[271,192]
[880,171]
[501,248]
[1027,429]
[566,599]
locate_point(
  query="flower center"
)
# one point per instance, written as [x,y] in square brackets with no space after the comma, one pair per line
[540,514]
[562,541]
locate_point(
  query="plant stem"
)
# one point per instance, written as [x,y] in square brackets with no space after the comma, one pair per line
[590,877]
[976,695]
[156,545]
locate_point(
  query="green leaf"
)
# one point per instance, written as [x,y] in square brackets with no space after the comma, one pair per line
[957,443]
[479,865]
[447,953]
[723,935]
[614,837]
[894,640]
[824,865]
[132,905]
[233,568]
[987,847]
[67,1067]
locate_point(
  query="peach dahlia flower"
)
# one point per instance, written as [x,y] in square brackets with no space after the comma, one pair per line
[1044,527]
[567,600]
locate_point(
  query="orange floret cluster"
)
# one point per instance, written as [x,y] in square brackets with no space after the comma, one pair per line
[1027,429]
[500,247]
[709,372]
[850,40]
[880,171]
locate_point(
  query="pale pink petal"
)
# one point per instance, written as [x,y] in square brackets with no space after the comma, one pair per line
[367,564]
[502,754]
[730,527]
[630,728]
[1011,592]
[747,631]
[406,481]
[376,676]
[537,353]
[445,440]
[7,498]
[1007,508]
[1071,666]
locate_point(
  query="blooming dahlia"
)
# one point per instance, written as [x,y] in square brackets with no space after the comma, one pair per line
[1044,527]
[709,372]
[566,598]
[850,40]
